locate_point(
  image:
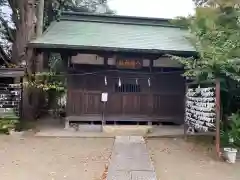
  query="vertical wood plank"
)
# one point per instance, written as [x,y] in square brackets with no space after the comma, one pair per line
[185,124]
[218,117]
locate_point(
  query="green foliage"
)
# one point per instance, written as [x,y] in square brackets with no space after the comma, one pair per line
[54,80]
[47,81]
[224,139]
[207,3]
[215,33]
[51,84]
[8,121]
[52,9]
[55,63]
[7,124]
[232,132]
[183,22]
[200,2]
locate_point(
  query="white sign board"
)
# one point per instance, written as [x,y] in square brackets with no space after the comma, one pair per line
[104,97]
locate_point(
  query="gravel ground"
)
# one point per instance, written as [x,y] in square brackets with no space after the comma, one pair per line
[53,158]
[175,159]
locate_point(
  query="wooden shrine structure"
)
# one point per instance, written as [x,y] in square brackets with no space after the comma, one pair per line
[124,59]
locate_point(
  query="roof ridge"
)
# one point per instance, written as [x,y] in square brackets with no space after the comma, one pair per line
[113,15]
[109,18]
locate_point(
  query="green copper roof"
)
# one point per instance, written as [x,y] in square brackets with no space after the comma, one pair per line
[110,32]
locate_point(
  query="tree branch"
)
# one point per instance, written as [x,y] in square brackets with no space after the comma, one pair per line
[7,29]
[15,17]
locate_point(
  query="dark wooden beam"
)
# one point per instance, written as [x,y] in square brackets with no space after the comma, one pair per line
[109,52]
[46,57]
[31,60]
[218,117]
[151,66]
[113,49]
[66,58]
[105,61]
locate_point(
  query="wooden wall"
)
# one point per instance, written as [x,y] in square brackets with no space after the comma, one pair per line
[98,60]
[162,101]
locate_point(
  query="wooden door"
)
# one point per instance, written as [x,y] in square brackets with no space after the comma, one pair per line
[131,104]
[84,103]
[92,102]
[114,105]
[129,98]
[136,104]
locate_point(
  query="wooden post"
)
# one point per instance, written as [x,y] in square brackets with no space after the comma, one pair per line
[105,89]
[150,93]
[185,124]
[103,114]
[218,117]
[66,58]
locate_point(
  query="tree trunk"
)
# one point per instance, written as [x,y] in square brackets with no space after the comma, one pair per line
[49,12]
[24,17]
[25,32]
[40,13]
[39,31]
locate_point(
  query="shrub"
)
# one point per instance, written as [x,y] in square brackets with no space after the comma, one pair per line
[8,121]
[232,131]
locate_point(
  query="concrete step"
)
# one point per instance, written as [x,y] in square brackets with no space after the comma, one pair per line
[127,129]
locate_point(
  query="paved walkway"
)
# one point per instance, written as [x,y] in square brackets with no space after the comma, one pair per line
[130,160]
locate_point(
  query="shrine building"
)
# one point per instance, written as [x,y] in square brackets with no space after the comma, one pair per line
[118,68]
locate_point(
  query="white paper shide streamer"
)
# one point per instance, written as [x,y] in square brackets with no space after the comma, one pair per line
[105,80]
[119,82]
[149,82]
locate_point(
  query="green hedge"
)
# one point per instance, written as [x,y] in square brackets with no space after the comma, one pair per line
[8,121]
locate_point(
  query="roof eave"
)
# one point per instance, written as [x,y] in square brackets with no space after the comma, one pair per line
[12,72]
[112,49]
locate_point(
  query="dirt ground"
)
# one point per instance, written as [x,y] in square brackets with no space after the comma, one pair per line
[53,158]
[175,159]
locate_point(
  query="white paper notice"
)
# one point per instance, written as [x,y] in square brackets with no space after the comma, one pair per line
[104,97]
